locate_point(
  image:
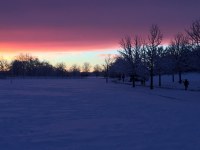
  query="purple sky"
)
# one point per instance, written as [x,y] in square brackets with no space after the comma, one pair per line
[88,24]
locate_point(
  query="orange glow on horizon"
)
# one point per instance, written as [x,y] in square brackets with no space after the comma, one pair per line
[55,52]
[13,47]
[58,40]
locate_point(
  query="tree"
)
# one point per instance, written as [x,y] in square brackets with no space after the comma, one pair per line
[60,69]
[195,59]
[154,41]
[75,70]
[45,69]
[179,50]
[18,68]
[131,53]
[194,33]
[26,65]
[86,69]
[168,63]
[97,70]
[160,64]
[4,67]
[108,62]
[118,68]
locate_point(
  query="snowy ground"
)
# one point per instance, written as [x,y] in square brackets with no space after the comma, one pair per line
[193,78]
[88,114]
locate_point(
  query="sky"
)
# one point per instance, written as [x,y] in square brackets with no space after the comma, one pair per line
[77,31]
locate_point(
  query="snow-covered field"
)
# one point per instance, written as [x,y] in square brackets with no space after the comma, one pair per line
[88,114]
[193,78]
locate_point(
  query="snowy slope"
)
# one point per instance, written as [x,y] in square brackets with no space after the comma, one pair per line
[88,114]
[194,80]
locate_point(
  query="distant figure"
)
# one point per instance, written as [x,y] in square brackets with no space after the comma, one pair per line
[186,83]
[123,77]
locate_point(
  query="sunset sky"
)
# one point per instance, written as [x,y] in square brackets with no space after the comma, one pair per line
[77,31]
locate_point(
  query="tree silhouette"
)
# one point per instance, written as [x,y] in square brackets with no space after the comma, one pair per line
[178,49]
[131,53]
[153,43]
[97,70]
[75,70]
[4,67]
[61,69]
[86,69]
[194,32]
[108,62]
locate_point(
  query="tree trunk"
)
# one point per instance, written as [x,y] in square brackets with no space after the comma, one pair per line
[159,80]
[180,77]
[133,81]
[173,77]
[151,75]
[107,75]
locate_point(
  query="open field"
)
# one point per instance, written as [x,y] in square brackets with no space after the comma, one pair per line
[88,114]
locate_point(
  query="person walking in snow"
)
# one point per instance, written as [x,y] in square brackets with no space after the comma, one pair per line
[186,83]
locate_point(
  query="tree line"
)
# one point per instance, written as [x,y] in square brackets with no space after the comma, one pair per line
[26,65]
[143,58]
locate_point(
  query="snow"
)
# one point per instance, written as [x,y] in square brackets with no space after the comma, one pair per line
[88,114]
[194,81]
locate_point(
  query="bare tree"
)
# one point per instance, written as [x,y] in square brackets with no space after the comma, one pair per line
[178,50]
[154,41]
[194,32]
[4,65]
[23,64]
[108,63]
[130,52]
[97,69]
[86,68]
[159,64]
[60,69]
[75,70]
